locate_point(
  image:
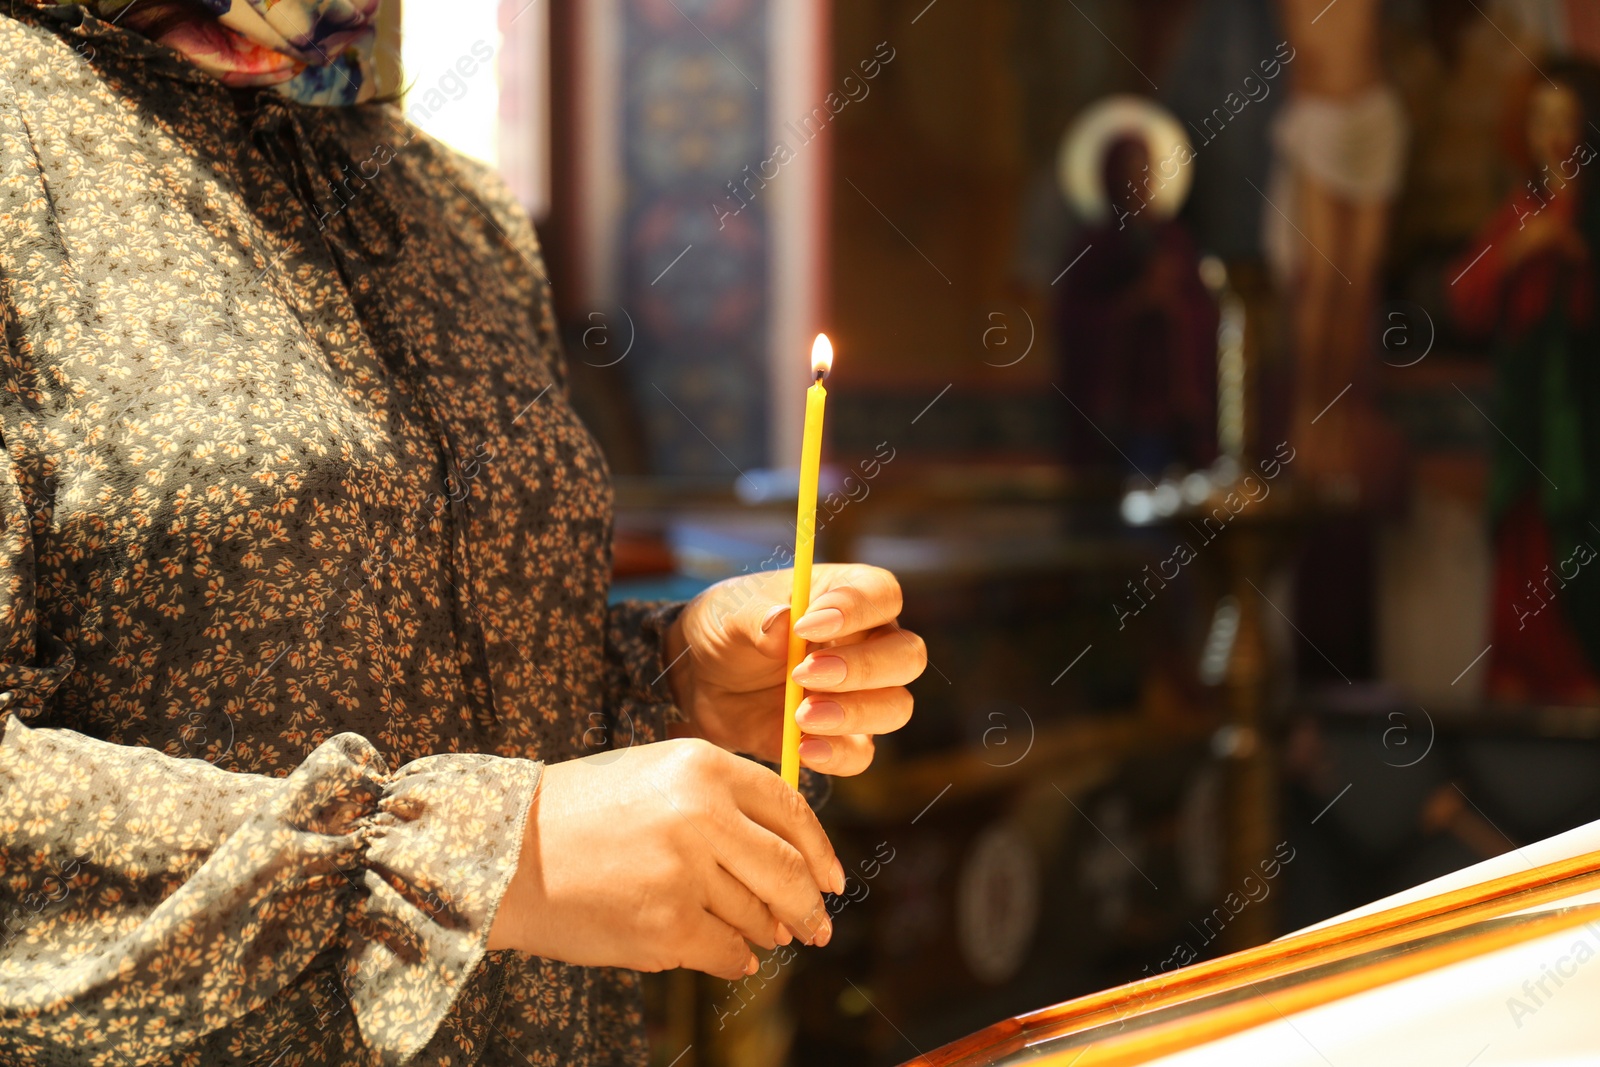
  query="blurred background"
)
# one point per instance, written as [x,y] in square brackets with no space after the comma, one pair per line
[1219,376]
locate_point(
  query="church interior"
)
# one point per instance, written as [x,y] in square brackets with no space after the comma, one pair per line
[1214,374]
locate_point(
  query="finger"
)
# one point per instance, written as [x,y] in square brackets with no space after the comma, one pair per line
[855,597]
[708,944]
[776,873]
[731,901]
[774,845]
[768,802]
[895,657]
[869,711]
[772,637]
[838,756]
[770,617]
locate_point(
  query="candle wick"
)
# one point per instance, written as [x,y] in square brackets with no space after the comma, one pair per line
[821,374]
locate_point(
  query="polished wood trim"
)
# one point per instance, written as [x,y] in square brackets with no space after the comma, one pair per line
[1392,926]
[1260,963]
[1223,1021]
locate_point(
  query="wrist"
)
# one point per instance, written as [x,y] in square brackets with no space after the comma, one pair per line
[511,929]
[679,664]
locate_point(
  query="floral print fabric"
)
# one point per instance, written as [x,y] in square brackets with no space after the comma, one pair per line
[313,51]
[304,561]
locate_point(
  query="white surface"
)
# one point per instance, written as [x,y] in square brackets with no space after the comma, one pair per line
[1484,1012]
[1455,1016]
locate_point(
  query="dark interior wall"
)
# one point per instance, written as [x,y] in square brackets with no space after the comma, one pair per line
[949,226]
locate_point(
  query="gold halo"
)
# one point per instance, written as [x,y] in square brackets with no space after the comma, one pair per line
[1080,162]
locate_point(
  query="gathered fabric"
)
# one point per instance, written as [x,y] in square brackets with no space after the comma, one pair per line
[312,51]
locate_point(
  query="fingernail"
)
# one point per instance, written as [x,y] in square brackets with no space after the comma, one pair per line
[819,715]
[838,875]
[752,965]
[816,750]
[820,625]
[825,934]
[784,936]
[820,671]
[772,616]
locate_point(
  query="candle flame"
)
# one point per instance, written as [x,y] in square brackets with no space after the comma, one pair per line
[821,355]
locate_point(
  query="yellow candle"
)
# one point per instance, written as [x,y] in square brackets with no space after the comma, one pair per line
[805,532]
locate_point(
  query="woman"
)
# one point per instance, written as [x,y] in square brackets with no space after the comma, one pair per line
[291,488]
[1529,281]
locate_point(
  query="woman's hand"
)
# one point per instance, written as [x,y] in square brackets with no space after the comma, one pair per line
[729,649]
[667,855]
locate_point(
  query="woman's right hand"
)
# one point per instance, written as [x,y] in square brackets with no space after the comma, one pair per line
[667,855]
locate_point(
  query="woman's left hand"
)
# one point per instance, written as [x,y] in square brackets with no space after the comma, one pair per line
[730,646]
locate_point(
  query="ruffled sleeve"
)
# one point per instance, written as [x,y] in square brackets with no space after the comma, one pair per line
[148,901]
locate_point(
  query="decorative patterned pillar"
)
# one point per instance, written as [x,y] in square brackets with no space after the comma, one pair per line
[694,132]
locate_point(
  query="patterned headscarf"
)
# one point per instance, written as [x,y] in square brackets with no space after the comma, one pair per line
[313,51]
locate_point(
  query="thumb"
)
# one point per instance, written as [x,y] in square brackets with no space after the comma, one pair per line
[772,636]
[774,613]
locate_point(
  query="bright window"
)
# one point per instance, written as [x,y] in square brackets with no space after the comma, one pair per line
[450,48]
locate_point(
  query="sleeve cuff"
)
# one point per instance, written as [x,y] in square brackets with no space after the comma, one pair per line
[201,893]
[440,851]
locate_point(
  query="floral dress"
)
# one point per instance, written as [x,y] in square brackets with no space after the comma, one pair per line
[304,561]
